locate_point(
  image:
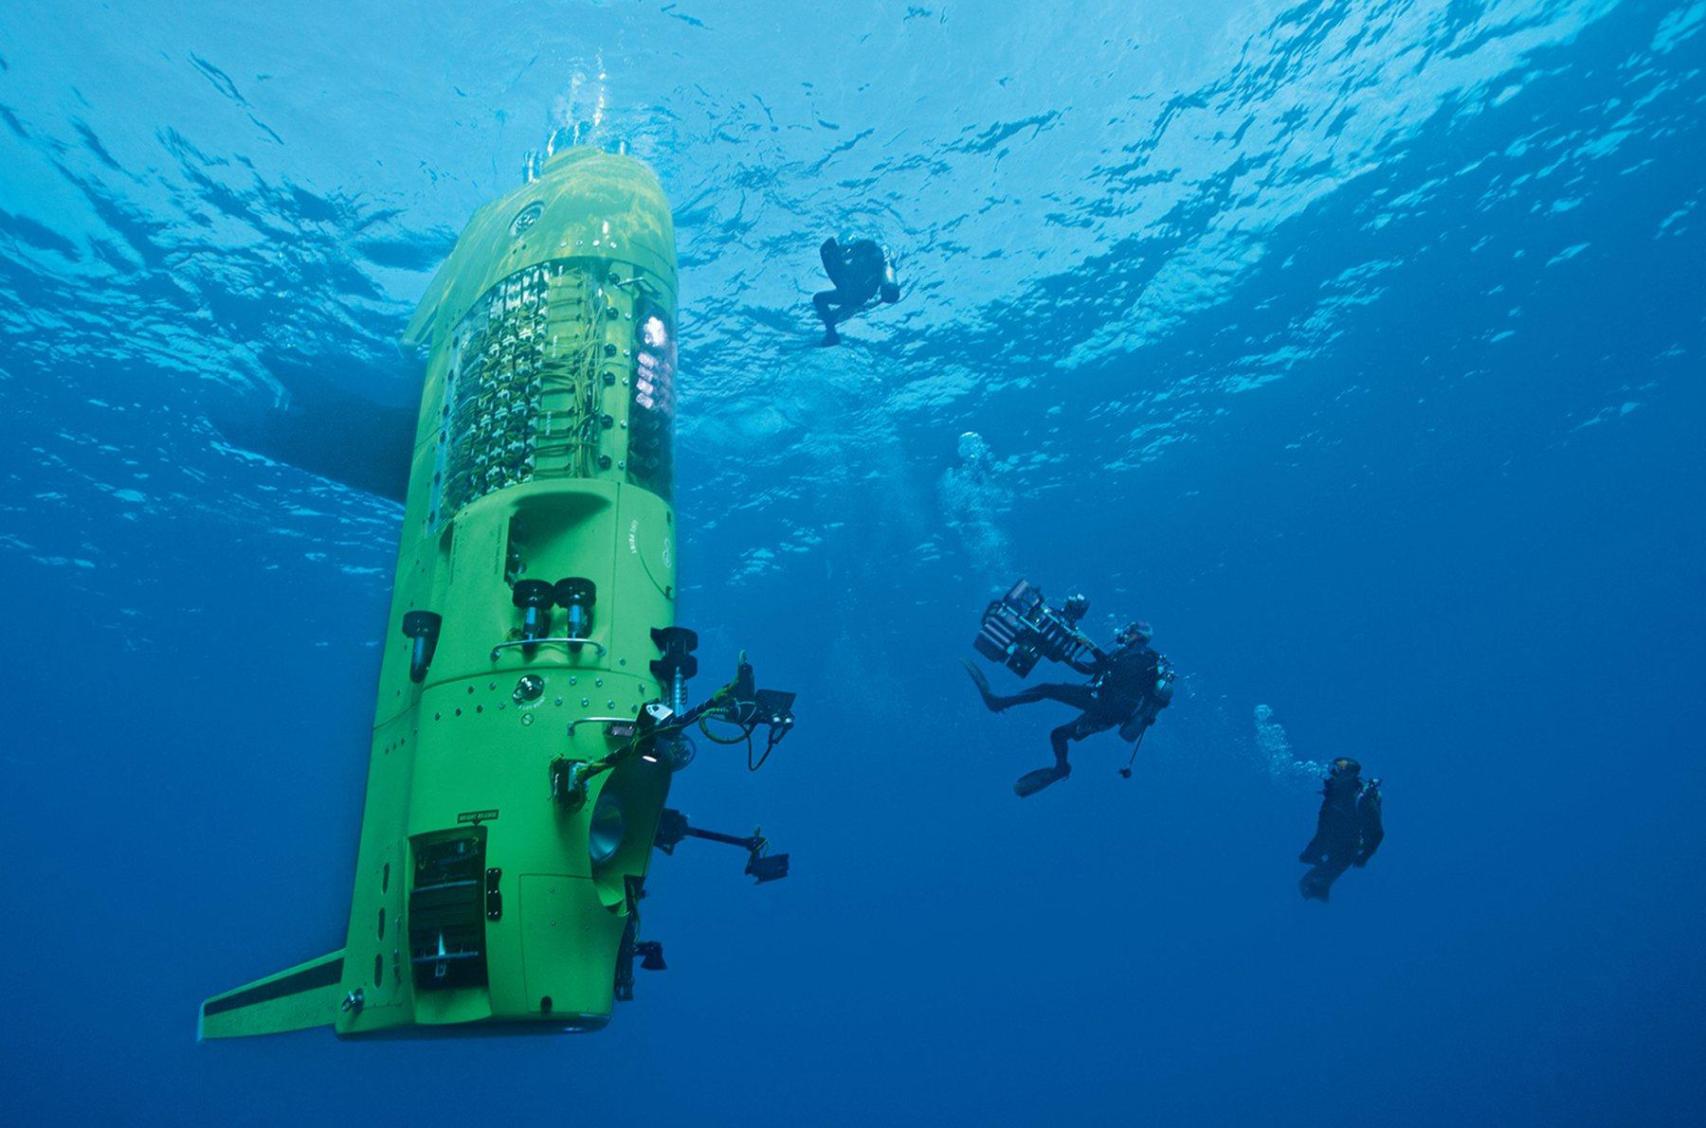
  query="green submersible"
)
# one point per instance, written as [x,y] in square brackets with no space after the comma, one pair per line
[531,705]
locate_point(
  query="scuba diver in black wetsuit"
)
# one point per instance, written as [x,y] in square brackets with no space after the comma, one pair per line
[1347,832]
[1128,689]
[860,271]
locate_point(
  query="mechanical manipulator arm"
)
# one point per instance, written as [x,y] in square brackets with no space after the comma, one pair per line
[760,863]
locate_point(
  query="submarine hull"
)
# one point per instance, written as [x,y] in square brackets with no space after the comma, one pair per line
[536,561]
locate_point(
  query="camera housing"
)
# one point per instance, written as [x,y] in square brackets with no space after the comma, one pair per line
[1020,629]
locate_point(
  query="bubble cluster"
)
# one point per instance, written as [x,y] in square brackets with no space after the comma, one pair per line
[1274,748]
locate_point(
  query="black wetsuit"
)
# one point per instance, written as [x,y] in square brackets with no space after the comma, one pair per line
[859,271]
[1347,833]
[1124,681]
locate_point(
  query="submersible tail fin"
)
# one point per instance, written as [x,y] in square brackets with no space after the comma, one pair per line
[296,998]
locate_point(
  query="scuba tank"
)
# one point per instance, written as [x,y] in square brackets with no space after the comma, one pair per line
[1157,699]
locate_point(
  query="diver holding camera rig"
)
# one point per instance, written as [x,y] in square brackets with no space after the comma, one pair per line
[1128,687]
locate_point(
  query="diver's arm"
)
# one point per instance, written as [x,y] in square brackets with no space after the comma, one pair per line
[1090,660]
[830,253]
[1373,831]
[1314,854]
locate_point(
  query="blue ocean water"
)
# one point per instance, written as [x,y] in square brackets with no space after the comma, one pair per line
[1357,346]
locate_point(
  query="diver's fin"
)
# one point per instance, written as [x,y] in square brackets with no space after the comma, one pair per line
[990,701]
[1032,782]
[293,999]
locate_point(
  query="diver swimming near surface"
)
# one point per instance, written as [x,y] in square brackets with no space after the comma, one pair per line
[1128,686]
[862,273]
[1347,832]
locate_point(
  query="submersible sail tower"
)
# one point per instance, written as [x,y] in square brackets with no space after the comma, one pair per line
[531,707]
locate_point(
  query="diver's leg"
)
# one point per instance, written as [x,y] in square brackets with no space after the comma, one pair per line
[1318,882]
[1078,696]
[1058,739]
[995,702]
[824,300]
[1032,782]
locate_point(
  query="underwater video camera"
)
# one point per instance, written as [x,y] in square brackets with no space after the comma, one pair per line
[1020,629]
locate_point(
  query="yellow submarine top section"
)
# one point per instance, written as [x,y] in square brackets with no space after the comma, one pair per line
[586,203]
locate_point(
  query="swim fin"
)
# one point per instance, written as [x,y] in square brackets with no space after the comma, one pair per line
[993,703]
[1314,886]
[1032,782]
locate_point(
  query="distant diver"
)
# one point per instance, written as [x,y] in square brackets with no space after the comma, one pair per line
[972,497]
[1348,831]
[1128,686]
[861,271]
